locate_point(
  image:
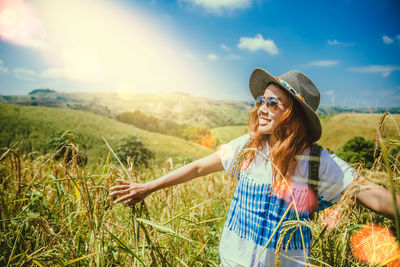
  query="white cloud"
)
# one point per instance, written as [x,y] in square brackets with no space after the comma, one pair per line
[224,47]
[258,43]
[323,63]
[219,6]
[386,70]
[387,40]
[398,36]
[3,70]
[24,74]
[212,56]
[336,42]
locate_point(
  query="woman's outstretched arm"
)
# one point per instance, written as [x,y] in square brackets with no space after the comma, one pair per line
[377,198]
[136,192]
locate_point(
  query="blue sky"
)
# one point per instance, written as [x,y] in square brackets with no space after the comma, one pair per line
[350,49]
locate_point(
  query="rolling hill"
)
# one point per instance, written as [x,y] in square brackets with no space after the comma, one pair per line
[34,126]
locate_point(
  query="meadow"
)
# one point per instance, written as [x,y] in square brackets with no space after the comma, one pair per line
[55,212]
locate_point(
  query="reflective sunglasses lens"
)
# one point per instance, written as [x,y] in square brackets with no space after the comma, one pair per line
[259,100]
[272,103]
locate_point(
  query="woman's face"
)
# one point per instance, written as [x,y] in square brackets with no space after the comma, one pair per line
[268,117]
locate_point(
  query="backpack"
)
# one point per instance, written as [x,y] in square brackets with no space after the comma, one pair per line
[313,170]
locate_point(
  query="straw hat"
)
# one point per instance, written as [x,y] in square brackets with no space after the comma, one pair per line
[299,86]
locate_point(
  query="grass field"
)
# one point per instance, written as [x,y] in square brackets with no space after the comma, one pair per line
[55,213]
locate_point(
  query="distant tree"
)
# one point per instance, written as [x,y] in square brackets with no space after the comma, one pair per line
[36,91]
[358,149]
[132,146]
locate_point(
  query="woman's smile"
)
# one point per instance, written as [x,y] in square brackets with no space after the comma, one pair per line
[263,121]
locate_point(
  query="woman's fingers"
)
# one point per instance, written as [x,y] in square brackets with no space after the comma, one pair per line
[118,187]
[122,182]
[121,192]
[123,198]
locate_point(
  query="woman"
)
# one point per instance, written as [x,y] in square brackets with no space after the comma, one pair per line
[282,128]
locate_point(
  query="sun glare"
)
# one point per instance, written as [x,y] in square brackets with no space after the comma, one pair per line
[108,46]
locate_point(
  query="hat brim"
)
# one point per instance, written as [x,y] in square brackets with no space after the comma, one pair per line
[260,79]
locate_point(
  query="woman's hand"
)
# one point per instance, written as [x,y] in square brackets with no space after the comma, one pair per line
[130,192]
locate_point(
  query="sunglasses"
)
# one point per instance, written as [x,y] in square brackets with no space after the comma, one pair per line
[272,103]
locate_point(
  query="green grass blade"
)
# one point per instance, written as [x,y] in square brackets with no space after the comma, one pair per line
[181,261]
[37,263]
[164,229]
[106,163]
[115,155]
[126,247]
[78,259]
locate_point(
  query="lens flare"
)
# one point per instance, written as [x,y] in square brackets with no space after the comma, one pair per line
[19,24]
[208,141]
[375,244]
[303,196]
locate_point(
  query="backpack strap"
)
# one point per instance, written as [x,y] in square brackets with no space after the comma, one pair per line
[313,168]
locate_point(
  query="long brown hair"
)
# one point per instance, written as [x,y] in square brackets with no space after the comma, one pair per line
[292,139]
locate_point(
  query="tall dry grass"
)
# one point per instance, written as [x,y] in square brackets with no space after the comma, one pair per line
[56,213]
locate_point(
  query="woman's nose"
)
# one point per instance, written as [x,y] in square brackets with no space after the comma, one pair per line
[263,109]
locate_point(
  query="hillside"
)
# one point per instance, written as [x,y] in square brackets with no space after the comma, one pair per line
[336,129]
[34,126]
